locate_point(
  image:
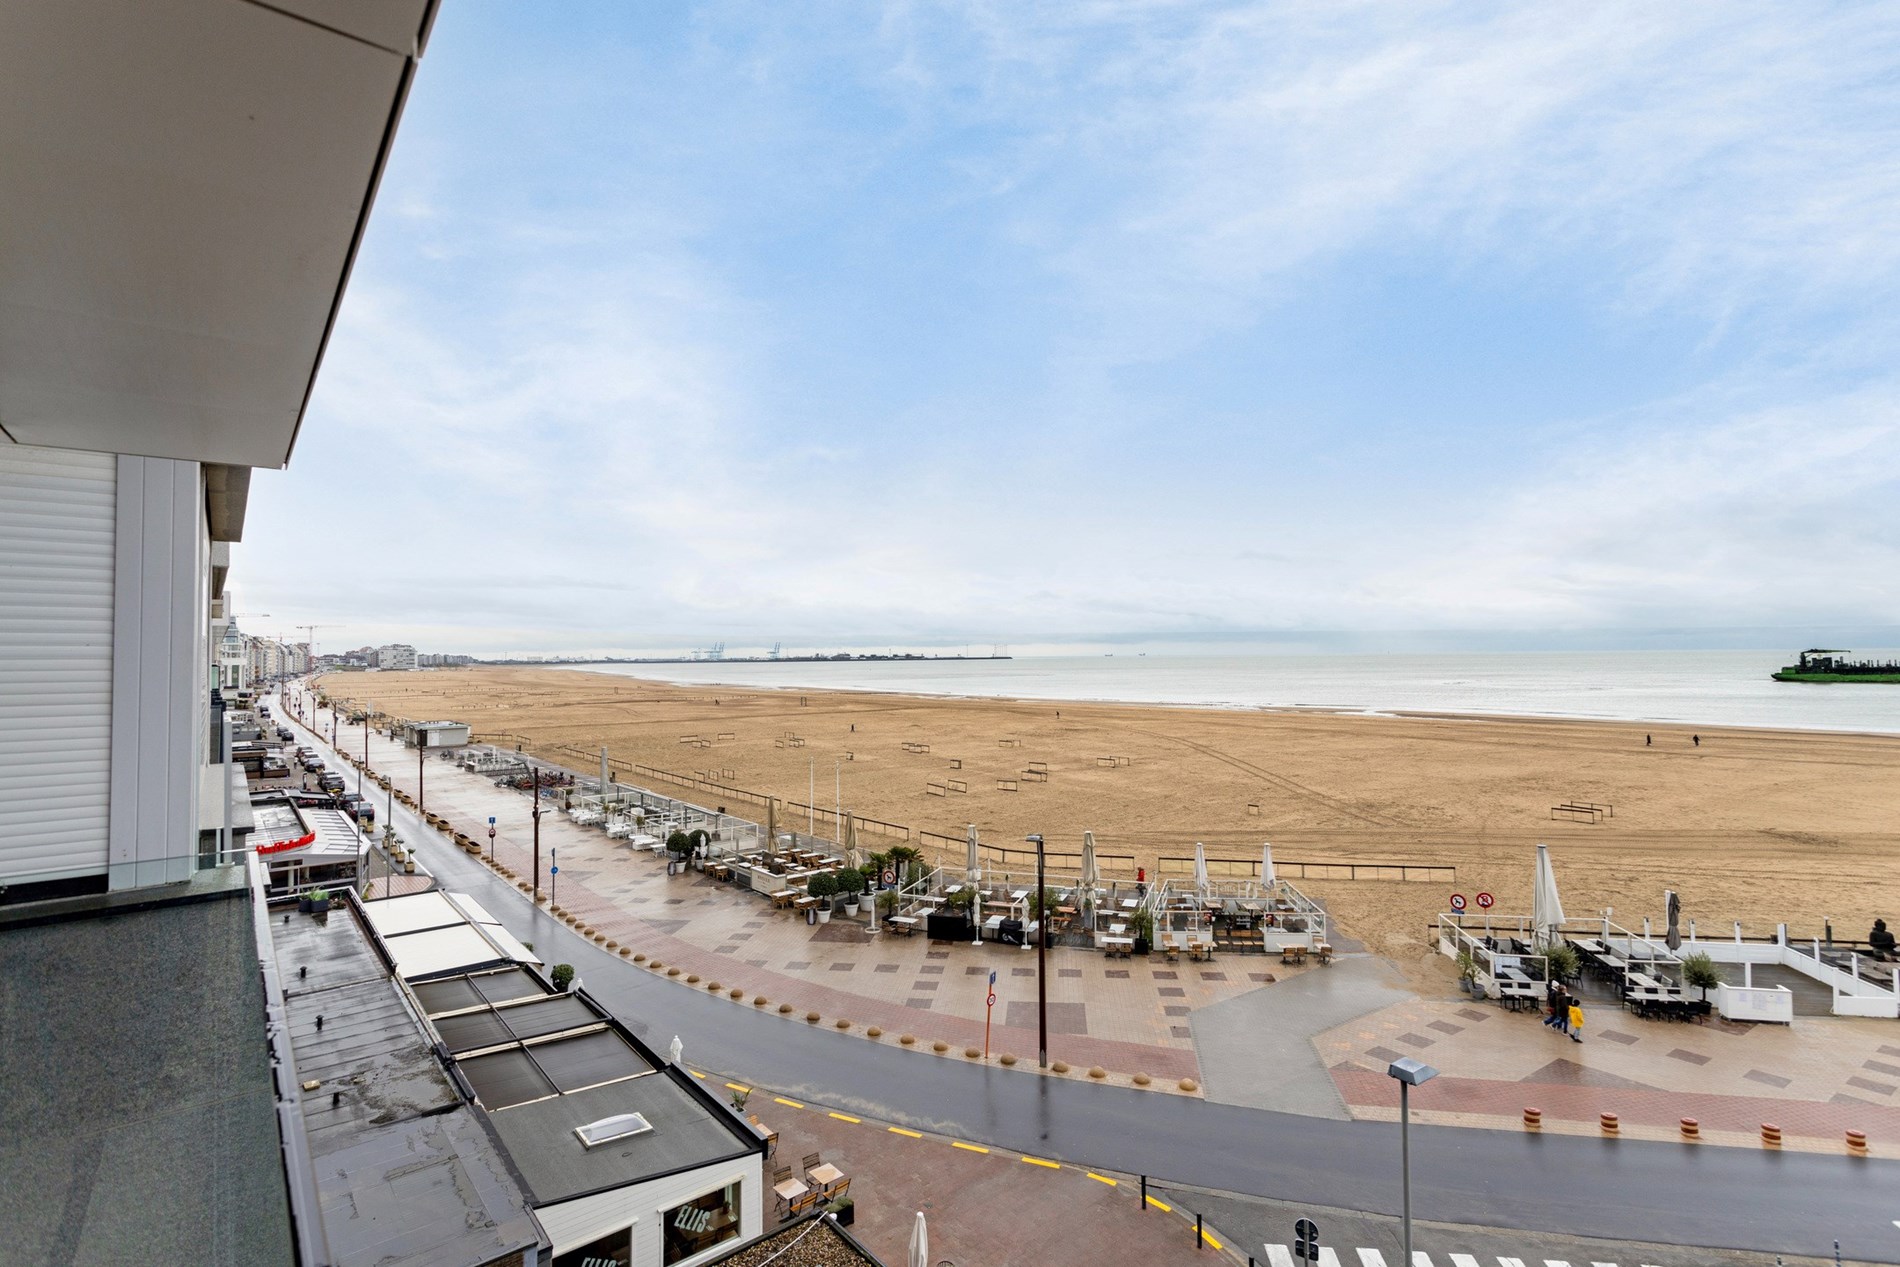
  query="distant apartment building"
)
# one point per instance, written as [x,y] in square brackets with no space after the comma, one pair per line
[430,660]
[397,655]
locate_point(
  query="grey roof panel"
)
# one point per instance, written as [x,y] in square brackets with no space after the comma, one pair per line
[540,1136]
[573,1063]
[504,1078]
[472,1031]
[452,995]
[548,1016]
[506,986]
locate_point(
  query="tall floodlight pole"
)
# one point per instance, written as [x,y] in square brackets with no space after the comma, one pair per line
[1042,946]
[422,750]
[1409,1073]
[811,794]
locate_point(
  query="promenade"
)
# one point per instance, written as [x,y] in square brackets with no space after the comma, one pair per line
[1245,1029]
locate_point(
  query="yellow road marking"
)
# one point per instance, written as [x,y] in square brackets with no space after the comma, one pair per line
[1210,1240]
[975,1148]
[844,1117]
[1159,1204]
[696,1073]
[898,1130]
[733,1086]
[1113,1183]
[1037,1161]
[790,1104]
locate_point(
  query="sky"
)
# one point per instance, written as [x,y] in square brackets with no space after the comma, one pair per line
[1059,324]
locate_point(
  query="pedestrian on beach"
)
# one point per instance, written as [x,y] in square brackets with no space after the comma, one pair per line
[1696,740]
[1576,1019]
[1648,740]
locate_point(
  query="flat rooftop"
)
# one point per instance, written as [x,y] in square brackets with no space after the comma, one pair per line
[138,1122]
[404,1169]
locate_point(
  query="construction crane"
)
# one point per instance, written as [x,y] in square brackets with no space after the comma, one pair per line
[310,637]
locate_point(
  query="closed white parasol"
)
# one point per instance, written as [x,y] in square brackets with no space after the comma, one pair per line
[1547,910]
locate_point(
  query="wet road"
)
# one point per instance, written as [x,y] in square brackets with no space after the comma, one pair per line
[1793,1203]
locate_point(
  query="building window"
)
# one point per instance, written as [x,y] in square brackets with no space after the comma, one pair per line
[701,1223]
[612,1250]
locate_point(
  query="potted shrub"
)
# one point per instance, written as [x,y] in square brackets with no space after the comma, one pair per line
[1699,970]
[1564,961]
[679,844]
[841,1209]
[696,846]
[1142,925]
[822,886]
[850,884]
[906,859]
[887,904]
[562,975]
[1467,970]
[315,902]
[874,873]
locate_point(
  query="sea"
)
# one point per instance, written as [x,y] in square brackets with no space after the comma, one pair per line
[1695,688]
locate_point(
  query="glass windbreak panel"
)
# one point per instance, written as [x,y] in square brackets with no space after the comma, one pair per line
[472,1031]
[700,1224]
[453,995]
[574,1063]
[505,1078]
[550,1016]
[503,987]
[612,1250]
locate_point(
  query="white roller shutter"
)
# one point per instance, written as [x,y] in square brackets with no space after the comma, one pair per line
[57,518]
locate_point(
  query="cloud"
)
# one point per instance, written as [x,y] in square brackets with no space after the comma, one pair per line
[827,329]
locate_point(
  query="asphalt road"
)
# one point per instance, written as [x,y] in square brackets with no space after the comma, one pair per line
[1625,1190]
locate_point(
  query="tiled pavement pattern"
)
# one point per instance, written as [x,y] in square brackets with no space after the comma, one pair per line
[981,1206]
[1815,1079]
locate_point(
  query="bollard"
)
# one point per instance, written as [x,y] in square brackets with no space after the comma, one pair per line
[1533,1119]
[1144,1194]
[1609,1123]
[1691,1130]
[1199,1235]
[1770,1135]
[1857,1143]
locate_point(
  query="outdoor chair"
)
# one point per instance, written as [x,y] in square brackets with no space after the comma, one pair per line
[803,1205]
[813,1161]
[839,1189]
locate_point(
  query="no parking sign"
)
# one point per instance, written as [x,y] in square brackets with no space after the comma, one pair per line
[1457,901]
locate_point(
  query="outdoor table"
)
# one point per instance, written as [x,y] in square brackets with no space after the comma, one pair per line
[826,1177]
[1203,949]
[1131,904]
[784,897]
[804,902]
[721,871]
[931,900]
[1118,929]
[790,1189]
[953,890]
[1119,945]
[1323,951]
[994,924]
[906,924]
[1019,895]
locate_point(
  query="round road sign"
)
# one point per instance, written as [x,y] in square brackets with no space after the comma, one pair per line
[890,876]
[1484,901]
[992,998]
[1457,901]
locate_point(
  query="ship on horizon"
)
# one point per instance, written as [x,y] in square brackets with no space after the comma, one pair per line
[1824,664]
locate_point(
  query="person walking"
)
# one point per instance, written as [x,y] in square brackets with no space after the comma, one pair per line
[1696,740]
[1648,740]
[1576,1019]
[1553,1004]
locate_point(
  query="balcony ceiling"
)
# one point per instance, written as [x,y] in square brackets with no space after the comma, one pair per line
[182,188]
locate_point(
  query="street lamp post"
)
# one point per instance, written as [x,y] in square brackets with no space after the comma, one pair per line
[534,793]
[1042,943]
[422,751]
[1409,1073]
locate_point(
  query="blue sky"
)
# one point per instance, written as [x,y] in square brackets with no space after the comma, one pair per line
[1039,324]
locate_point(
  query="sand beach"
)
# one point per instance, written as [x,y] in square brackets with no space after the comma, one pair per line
[1760,826]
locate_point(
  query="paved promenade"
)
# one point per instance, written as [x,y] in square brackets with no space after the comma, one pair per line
[1244,1030]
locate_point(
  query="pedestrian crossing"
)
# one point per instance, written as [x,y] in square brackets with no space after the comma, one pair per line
[1282,1256]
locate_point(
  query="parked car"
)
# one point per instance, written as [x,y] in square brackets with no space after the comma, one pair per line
[284,733]
[330,781]
[312,762]
[360,808]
